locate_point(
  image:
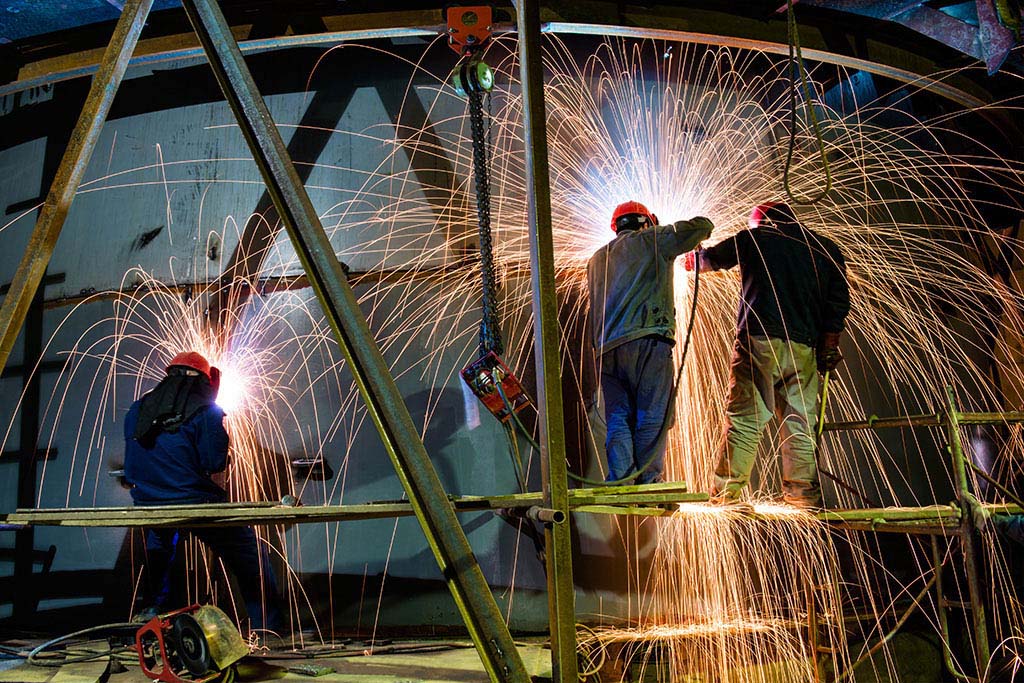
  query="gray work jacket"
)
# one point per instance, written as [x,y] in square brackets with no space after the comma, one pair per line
[630,282]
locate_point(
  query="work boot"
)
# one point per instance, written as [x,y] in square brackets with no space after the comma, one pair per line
[808,504]
[725,496]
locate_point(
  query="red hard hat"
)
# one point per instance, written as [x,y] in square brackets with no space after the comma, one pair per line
[630,209]
[193,360]
[779,213]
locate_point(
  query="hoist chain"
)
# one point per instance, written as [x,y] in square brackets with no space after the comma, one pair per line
[490,331]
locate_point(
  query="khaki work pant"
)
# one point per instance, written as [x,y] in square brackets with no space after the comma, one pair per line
[771,376]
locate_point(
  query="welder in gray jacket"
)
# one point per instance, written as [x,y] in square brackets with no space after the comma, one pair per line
[633,326]
[792,311]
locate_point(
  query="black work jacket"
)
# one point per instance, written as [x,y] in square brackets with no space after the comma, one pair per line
[794,282]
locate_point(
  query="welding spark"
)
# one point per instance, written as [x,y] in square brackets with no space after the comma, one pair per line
[687,130]
[704,132]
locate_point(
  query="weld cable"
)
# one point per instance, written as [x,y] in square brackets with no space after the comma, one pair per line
[517,461]
[818,432]
[33,656]
[594,665]
[797,62]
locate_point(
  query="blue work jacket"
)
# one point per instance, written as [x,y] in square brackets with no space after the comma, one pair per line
[177,469]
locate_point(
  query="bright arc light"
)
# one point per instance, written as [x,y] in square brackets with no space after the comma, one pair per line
[231,394]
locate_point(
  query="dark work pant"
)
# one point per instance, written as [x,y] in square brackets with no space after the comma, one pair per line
[636,380]
[242,555]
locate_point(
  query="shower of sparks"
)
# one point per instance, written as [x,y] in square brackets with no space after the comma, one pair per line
[266,392]
[695,131]
[688,131]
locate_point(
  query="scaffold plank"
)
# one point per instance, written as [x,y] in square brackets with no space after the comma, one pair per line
[924,519]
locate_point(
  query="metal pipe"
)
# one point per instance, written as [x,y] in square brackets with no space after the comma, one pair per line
[934,85]
[384,403]
[895,629]
[1002,489]
[558,539]
[546,515]
[947,653]
[967,532]
[875,422]
[69,174]
[1011,417]
[924,81]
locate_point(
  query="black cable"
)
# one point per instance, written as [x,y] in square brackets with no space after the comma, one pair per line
[33,659]
[796,61]
[517,461]
[669,409]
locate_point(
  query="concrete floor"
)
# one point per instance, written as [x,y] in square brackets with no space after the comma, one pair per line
[459,664]
[918,660]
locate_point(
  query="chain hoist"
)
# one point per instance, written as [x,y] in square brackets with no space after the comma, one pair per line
[469,30]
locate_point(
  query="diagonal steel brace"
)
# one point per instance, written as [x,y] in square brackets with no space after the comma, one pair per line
[384,403]
[70,172]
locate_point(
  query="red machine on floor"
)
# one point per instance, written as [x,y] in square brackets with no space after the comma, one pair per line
[198,642]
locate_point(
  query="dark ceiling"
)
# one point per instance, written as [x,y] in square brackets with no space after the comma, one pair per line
[951,33]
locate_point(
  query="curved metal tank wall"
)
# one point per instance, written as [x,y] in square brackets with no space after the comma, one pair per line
[171,169]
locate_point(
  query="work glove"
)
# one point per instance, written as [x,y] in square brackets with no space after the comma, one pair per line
[215,380]
[690,260]
[828,354]
[979,514]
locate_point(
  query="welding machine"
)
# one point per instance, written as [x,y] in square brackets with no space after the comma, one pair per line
[198,642]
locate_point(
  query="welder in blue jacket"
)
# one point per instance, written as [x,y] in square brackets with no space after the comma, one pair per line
[793,307]
[633,327]
[174,441]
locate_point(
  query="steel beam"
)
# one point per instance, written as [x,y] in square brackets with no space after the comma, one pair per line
[939,86]
[997,41]
[558,538]
[175,48]
[383,401]
[69,174]
[967,533]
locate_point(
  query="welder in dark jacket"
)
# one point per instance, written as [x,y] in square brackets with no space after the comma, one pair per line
[633,326]
[792,311]
[174,441]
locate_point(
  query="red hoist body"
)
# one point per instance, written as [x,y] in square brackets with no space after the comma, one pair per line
[469,28]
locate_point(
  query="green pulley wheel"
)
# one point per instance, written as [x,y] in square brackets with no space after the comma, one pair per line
[472,75]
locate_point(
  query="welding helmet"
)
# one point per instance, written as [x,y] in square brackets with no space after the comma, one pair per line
[632,216]
[771,213]
[191,360]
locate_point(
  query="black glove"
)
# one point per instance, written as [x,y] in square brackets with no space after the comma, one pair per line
[828,354]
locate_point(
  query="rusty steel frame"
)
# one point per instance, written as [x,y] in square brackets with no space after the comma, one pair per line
[951,420]
[557,538]
[427,500]
[69,174]
[384,403]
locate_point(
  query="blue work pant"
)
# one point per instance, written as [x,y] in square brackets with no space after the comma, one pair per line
[771,377]
[636,380]
[241,553]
